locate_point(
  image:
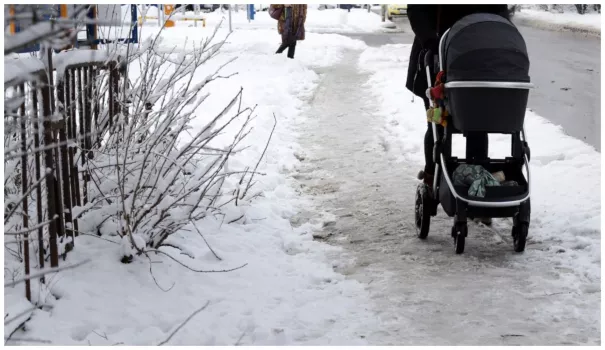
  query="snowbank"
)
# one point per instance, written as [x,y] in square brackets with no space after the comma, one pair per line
[566,172]
[19,68]
[590,22]
[287,294]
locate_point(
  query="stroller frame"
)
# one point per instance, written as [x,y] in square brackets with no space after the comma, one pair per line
[429,199]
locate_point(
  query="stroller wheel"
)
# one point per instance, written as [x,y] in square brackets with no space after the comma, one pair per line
[422,211]
[520,232]
[459,232]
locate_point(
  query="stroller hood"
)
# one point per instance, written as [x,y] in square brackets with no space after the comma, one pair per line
[485,47]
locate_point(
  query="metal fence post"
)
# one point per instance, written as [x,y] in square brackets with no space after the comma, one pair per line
[230,27]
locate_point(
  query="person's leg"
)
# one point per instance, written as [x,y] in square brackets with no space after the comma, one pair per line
[291,49]
[429,166]
[477,146]
[281,48]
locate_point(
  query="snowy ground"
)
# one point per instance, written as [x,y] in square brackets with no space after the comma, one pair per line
[341,167]
[590,22]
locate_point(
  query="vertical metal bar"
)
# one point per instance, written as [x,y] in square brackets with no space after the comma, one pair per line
[135,28]
[70,115]
[88,110]
[24,188]
[115,90]
[110,89]
[36,130]
[50,177]
[91,29]
[160,12]
[65,176]
[74,137]
[96,103]
[230,27]
[57,178]
[88,106]
[82,137]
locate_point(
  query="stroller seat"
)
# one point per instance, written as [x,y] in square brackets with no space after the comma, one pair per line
[486,68]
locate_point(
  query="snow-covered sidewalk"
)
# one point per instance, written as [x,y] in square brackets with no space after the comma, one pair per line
[590,22]
[363,151]
[287,293]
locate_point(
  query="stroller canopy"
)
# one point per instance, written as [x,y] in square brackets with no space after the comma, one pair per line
[485,47]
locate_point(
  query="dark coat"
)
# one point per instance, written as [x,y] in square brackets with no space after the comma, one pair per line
[429,22]
[294,27]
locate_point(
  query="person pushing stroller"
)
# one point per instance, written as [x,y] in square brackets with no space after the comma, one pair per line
[428,23]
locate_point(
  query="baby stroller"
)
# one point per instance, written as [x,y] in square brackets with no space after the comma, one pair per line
[484,65]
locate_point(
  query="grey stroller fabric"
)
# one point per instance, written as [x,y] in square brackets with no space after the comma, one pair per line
[476,177]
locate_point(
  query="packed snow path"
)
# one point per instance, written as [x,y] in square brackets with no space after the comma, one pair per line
[423,293]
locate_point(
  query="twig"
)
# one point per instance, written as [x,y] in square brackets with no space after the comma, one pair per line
[104,336]
[235,220]
[16,233]
[192,269]
[261,157]
[171,245]
[152,276]
[31,340]
[25,312]
[25,195]
[46,271]
[95,236]
[238,342]
[205,241]
[184,322]
[15,331]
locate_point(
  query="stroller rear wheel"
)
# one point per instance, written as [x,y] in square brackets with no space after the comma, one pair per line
[459,232]
[422,211]
[520,232]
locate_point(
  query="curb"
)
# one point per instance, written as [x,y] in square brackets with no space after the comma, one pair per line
[546,25]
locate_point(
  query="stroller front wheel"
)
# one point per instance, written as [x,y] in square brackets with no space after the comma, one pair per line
[422,211]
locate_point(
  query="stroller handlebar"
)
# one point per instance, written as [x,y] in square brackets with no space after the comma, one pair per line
[489,84]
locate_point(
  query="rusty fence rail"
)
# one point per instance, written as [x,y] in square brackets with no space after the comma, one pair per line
[53,124]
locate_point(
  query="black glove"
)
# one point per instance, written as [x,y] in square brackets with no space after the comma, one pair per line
[431,44]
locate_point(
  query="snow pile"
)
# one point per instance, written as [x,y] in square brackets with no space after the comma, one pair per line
[590,22]
[287,293]
[77,57]
[566,200]
[20,68]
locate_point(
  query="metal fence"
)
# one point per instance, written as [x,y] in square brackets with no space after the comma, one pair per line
[53,125]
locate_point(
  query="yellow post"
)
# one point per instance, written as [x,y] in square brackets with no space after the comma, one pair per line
[167,11]
[63,9]
[11,11]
